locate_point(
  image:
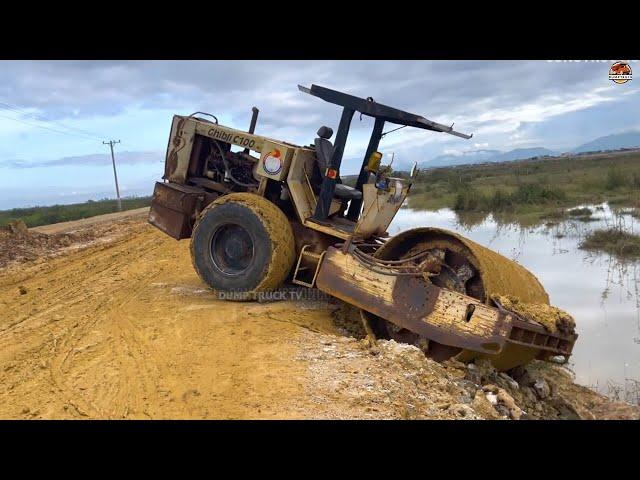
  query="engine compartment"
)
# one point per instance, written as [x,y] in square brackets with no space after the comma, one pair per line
[214,160]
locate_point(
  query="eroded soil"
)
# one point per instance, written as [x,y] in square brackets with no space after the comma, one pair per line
[116,324]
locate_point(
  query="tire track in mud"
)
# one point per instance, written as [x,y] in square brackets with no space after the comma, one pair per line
[66,295]
[81,277]
[69,293]
[84,341]
[111,313]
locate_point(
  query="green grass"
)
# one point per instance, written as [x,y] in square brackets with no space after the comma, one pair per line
[580,212]
[537,189]
[36,216]
[502,200]
[613,241]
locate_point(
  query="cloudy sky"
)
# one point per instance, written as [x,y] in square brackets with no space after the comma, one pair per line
[54,115]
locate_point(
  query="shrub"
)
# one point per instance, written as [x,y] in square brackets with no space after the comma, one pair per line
[615,178]
[468,199]
[614,241]
[532,193]
[500,200]
[580,212]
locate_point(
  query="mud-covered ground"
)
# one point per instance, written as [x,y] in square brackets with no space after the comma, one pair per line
[107,319]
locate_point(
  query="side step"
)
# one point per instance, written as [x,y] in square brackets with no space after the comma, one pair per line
[307,267]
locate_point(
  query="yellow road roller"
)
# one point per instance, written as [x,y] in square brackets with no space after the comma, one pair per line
[261,212]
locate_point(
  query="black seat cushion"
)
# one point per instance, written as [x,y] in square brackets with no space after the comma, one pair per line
[325,132]
[324,151]
[345,192]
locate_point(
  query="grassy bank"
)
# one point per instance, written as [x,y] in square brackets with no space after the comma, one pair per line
[36,216]
[535,188]
[614,241]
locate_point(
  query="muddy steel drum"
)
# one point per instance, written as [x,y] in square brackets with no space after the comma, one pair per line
[490,274]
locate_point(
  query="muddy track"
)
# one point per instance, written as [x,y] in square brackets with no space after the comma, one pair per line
[124,328]
[127,330]
[58,333]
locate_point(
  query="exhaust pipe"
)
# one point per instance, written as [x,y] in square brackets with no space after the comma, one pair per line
[252,125]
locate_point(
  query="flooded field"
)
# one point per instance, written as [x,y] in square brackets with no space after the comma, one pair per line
[599,290]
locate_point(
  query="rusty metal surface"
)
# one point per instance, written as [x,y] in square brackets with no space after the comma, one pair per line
[495,273]
[440,315]
[530,334]
[422,308]
[526,341]
[173,223]
[174,208]
[413,297]
[179,149]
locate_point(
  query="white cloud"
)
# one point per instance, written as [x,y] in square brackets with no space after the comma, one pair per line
[497,101]
[452,151]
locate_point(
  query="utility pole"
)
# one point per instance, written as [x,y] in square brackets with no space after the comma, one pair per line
[111,143]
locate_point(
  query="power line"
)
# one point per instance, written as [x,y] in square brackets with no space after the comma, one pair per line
[85,134]
[69,129]
[86,137]
[40,119]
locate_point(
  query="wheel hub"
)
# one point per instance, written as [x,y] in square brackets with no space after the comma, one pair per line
[232,249]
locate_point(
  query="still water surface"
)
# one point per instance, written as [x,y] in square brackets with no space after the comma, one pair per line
[601,292]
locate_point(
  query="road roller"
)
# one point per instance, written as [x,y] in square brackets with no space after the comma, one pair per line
[262,213]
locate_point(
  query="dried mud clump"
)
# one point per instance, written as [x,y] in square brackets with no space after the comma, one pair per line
[551,318]
[352,378]
[19,244]
[347,320]
[539,390]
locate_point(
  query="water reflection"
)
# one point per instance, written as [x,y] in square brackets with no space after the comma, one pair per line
[599,290]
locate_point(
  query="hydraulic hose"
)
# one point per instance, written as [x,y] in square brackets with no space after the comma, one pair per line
[227,169]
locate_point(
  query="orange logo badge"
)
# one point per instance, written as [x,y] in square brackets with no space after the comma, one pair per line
[620,72]
[272,163]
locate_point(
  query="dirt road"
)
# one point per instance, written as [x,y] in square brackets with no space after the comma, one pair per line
[123,328]
[137,213]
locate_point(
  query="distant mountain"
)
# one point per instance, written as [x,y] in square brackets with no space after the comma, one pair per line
[476,156]
[611,142]
[521,154]
[482,156]
[629,139]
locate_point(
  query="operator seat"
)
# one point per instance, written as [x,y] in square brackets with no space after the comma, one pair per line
[324,151]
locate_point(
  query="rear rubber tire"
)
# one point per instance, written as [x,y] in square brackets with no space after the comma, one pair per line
[267,246]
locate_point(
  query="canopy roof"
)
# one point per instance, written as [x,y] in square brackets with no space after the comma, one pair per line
[377,110]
